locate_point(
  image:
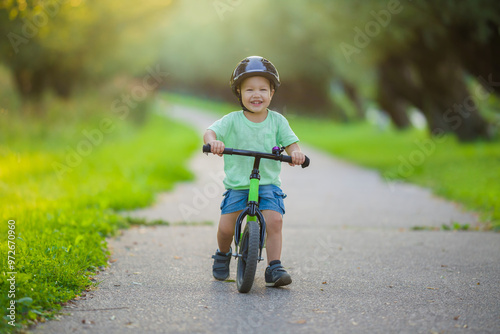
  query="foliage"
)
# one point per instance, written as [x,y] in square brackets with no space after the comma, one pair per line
[398,25]
[335,57]
[330,54]
[62,44]
[62,220]
[222,35]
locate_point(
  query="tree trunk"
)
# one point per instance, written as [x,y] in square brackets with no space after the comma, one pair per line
[448,104]
[352,94]
[29,83]
[480,58]
[390,76]
[433,81]
[62,83]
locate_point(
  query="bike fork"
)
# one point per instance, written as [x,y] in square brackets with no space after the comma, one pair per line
[239,233]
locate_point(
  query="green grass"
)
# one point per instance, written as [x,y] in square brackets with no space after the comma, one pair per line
[465,173]
[62,217]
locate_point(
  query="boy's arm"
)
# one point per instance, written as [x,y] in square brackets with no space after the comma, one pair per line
[217,147]
[294,151]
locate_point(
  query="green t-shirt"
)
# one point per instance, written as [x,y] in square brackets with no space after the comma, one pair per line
[237,131]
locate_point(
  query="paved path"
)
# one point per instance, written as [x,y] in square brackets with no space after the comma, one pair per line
[357,266]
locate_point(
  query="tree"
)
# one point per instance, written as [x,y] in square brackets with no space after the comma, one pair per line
[60,44]
[417,48]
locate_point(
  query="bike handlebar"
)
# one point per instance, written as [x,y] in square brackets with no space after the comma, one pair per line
[232,151]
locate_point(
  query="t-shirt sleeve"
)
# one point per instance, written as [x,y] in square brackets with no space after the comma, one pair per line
[220,127]
[286,136]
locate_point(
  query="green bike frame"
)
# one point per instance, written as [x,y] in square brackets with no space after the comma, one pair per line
[252,212]
[253,195]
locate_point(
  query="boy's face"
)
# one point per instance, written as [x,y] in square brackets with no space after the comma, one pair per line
[256,93]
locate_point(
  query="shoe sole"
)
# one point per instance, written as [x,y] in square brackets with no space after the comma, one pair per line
[282,281]
[222,279]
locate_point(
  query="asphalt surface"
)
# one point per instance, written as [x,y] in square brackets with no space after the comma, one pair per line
[357,265]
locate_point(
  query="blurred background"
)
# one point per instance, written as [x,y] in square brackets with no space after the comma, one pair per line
[419,62]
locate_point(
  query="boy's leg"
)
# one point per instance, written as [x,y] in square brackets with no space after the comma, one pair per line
[222,257]
[276,275]
[274,225]
[225,232]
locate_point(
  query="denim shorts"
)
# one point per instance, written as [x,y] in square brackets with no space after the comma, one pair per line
[270,198]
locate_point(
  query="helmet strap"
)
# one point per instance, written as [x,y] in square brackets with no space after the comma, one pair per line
[242,105]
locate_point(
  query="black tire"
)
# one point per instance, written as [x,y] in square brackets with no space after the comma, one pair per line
[247,262]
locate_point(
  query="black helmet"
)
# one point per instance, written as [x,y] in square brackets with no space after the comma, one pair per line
[254,66]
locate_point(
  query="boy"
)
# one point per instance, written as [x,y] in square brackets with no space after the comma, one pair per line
[254,81]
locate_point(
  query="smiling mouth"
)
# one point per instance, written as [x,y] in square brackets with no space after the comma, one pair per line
[256,102]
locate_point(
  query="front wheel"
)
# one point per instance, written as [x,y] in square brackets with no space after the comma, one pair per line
[247,262]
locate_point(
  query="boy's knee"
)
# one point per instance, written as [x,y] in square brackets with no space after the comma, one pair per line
[226,230]
[226,224]
[274,223]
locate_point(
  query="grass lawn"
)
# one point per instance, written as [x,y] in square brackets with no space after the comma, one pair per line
[466,173]
[63,176]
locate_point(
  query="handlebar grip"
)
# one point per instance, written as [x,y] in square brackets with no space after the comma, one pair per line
[207,148]
[306,163]
[287,158]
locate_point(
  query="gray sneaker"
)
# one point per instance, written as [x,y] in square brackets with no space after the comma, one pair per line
[220,267]
[276,275]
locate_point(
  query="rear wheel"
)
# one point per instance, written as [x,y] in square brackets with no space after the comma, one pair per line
[247,262]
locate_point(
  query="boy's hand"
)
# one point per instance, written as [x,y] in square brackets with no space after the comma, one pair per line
[298,158]
[217,147]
